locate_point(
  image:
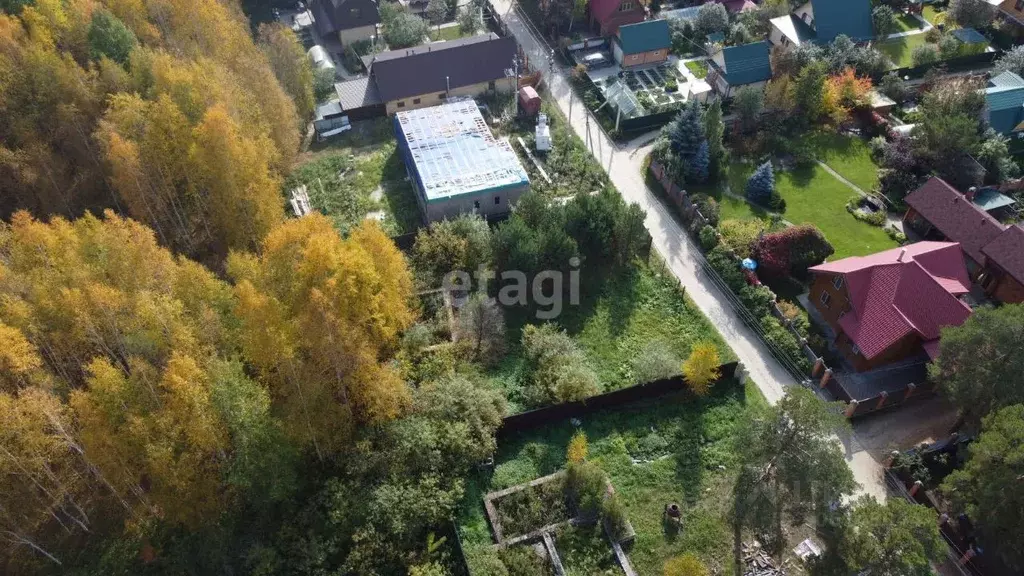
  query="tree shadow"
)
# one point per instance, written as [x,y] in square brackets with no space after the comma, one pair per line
[801,176]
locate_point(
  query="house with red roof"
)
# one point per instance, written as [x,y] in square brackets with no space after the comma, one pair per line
[892,305]
[993,251]
[606,16]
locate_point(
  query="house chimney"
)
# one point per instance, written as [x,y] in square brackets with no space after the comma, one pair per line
[903,252]
[971,193]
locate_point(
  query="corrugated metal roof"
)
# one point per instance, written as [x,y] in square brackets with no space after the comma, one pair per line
[644,36]
[1006,80]
[747,63]
[1004,100]
[436,66]
[357,93]
[793,28]
[849,17]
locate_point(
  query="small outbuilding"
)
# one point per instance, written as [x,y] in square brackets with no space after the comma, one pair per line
[529,100]
[455,163]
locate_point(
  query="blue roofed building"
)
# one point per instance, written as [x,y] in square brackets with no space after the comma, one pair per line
[736,66]
[822,21]
[1004,103]
[455,163]
[642,43]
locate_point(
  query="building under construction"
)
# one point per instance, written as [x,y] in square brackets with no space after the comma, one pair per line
[456,164]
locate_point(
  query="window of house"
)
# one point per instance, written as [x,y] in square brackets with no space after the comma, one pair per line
[497,200]
[625,6]
[1019,6]
[491,85]
[355,13]
[837,282]
[476,204]
[415,100]
[440,96]
[825,299]
[401,103]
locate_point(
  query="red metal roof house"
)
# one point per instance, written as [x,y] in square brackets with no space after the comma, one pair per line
[607,15]
[891,305]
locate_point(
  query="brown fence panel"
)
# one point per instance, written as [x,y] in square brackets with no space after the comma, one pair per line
[616,398]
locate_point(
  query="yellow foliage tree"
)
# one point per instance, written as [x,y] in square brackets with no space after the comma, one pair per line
[319,314]
[701,368]
[290,64]
[844,92]
[577,451]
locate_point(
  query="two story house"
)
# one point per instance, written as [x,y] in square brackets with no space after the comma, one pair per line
[892,305]
[348,20]
[642,43]
[606,16]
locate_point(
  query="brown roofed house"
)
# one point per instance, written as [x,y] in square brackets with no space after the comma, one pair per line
[994,252]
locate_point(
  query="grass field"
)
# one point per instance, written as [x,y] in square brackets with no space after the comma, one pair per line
[614,324]
[672,449]
[900,50]
[813,196]
[907,23]
[847,155]
[698,67]
[931,14]
[449,33]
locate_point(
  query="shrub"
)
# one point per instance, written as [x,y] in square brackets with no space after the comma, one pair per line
[708,237]
[783,340]
[707,206]
[740,235]
[949,46]
[614,513]
[925,54]
[727,267]
[522,561]
[757,299]
[895,235]
[761,184]
[585,485]
[876,218]
[671,85]
[877,146]
[404,30]
[702,368]
[796,315]
[792,251]
[558,368]
[655,362]
[685,565]
[577,450]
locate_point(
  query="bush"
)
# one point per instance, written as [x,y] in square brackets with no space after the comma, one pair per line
[404,30]
[925,54]
[614,513]
[726,265]
[895,235]
[796,315]
[707,206]
[877,147]
[522,561]
[792,251]
[784,341]
[876,218]
[671,85]
[585,486]
[558,368]
[656,362]
[740,235]
[757,299]
[701,368]
[708,237]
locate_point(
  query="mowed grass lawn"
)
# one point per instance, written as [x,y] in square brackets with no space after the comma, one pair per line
[847,155]
[674,449]
[907,23]
[813,196]
[698,67]
[448,33]
[931,13]
[900,50]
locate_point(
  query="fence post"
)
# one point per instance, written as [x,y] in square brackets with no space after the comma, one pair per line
[917,486]
[910,391]
[851,408]
[826,378]
[881,400]
[892,458]
[818,365]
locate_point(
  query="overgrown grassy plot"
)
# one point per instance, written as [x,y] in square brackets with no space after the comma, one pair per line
[655,452]
[358,173]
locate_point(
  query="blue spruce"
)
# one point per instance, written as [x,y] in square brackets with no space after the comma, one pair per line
[761,185]
[699,166]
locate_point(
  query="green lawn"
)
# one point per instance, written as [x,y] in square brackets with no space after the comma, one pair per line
[900,50]
[907,23]
[698,67]
[847,155]
[615,324]
[813,196]
[931,13]
[449,33]
[679,444]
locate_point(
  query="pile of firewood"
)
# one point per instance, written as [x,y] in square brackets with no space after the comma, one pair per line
[757,562]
